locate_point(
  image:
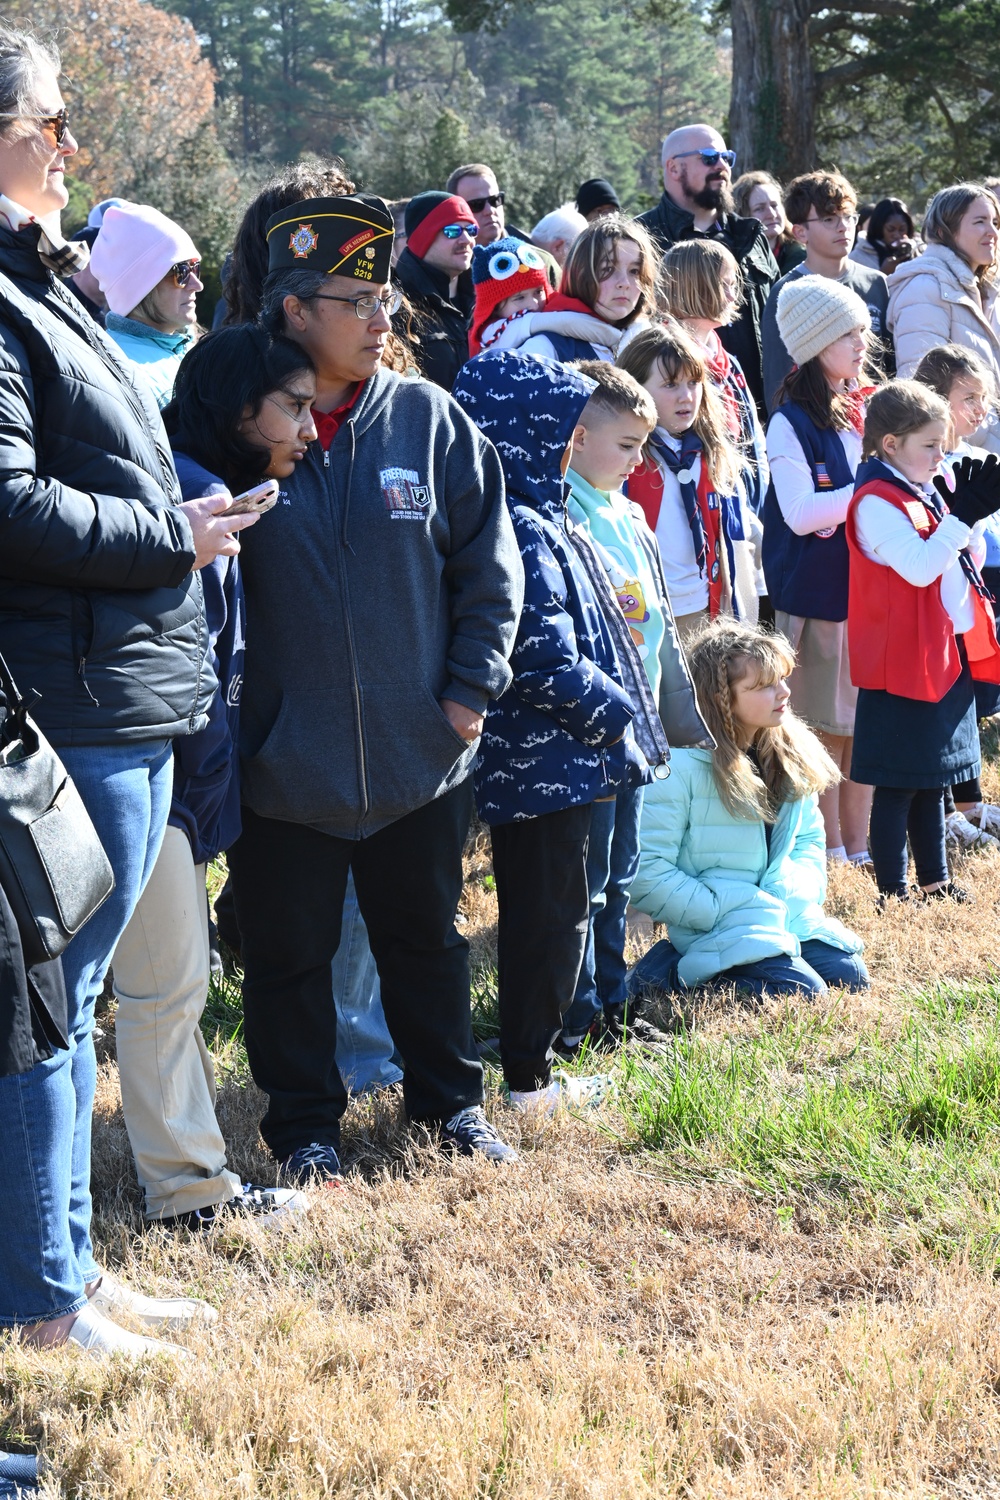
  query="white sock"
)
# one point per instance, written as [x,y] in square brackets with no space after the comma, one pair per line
[861,858]
[836,855]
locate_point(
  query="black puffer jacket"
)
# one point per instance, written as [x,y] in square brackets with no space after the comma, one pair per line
[99,609]
[441,325]
[668,223]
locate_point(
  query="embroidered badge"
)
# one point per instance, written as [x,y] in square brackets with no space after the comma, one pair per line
[823,480]
[302,241]
[406,499]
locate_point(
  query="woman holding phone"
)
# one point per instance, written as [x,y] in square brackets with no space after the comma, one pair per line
[241,414]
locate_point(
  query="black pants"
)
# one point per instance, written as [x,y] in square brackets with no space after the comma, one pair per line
[289,882]
[540,867]
[896,812]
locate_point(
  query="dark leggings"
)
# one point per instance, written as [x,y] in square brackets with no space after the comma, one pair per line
[896,812]
[962,791]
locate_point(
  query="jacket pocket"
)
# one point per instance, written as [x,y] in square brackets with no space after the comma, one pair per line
[412,754]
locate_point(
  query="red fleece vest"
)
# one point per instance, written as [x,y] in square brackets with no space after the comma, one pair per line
[901,637]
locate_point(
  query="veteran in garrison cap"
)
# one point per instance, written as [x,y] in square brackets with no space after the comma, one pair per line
[382,600]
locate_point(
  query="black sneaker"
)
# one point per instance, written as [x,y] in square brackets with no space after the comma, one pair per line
[622,1025]
[312,1166]
[253,1203]
[949,892]
[470,1132]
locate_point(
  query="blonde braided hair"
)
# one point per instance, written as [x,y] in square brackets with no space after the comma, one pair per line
[793,763]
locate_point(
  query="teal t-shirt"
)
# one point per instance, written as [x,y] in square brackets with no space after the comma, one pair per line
[614,531]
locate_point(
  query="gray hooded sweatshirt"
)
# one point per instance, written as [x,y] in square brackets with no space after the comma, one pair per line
[386,578]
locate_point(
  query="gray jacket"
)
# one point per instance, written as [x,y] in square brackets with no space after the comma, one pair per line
[386,578]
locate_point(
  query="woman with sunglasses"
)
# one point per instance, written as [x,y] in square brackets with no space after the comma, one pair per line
[103,616]
[433,271]
[147,267]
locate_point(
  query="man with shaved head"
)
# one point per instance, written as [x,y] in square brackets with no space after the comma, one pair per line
[697,171]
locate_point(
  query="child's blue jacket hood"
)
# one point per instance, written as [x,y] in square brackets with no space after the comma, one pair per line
[528,407]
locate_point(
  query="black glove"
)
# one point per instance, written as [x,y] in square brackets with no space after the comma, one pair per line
[977,489]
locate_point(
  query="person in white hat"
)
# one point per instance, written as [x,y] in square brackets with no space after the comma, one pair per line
[813,449]
[147,267]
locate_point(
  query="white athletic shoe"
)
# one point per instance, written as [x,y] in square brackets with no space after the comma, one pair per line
[175,1313]
[986,817]
[962,834]
[564,1093]
[98,1335]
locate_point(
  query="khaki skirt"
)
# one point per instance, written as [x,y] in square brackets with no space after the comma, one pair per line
[822,692]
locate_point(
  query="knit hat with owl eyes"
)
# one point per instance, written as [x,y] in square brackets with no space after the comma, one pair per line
[498,272]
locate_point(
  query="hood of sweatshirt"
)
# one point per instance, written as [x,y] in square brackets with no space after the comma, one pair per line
[527,407]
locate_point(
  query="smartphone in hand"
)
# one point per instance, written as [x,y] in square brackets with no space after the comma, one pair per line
[258,500]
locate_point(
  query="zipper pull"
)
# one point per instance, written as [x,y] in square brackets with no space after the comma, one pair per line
[326,458]
[86,685]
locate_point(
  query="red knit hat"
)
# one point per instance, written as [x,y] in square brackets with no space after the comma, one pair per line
[500,271]
[427,214]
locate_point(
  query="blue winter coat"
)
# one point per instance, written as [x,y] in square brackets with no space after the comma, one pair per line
[560,736]
[726,898]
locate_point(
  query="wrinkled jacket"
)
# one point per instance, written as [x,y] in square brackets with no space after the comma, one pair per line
[99,609]
[385,579]
[668,223]
[709,876]
[934,300]
[440,324]
[561,736]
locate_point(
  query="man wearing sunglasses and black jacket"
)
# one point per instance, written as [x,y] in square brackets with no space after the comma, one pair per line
[433,271]
[697,171]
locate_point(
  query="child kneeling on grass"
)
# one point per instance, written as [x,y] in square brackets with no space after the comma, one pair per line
[733,850]
[576,725]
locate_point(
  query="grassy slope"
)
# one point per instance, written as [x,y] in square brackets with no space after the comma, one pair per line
[767,1270]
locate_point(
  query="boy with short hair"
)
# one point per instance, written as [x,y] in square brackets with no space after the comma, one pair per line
[607,447]
[574,727]
[822,210]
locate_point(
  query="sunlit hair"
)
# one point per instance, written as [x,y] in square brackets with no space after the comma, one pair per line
[692,273]
[901,407]
[592,258]
[618,394]
[793,763]
[940,368]
[22,57]
[945,213]
[825,192]
[743,191]
[675,352]
[809,388]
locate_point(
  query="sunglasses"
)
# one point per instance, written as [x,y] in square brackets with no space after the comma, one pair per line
[58,123]
[452,231]
[711,158]
[495,200]
[183,271]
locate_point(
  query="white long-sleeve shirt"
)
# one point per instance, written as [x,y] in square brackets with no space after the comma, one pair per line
[887,536]
[805,508]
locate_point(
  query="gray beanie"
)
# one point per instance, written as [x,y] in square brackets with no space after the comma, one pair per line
[814,312]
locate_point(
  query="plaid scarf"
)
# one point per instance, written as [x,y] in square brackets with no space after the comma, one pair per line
[63,257]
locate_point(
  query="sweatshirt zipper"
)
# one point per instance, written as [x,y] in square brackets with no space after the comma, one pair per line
[349,631]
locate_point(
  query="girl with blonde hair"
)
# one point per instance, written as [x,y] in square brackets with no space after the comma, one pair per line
[609,284]
[733,846]
[689,486]
[703,288]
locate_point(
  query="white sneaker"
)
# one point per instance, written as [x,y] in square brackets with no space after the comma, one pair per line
[98,1335]
[564,1093]
[986,817]
[176,1313]
[962,834]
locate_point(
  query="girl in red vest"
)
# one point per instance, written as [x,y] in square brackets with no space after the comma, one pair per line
[920,627]
[688,486]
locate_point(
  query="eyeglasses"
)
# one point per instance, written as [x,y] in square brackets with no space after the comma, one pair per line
[495,200]
[710,158]
[830,220]
[183,271]
[59,123]
[452,231]
[365,307]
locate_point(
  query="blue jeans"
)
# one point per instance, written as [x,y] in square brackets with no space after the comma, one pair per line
[365,1050]
[820,966]
[46,1257]
[612,863]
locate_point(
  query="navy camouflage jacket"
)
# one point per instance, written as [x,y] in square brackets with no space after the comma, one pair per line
[561,734]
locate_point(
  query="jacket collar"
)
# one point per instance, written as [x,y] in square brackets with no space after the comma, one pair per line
[174,343]
[19,256]
[739,234]
[423,280]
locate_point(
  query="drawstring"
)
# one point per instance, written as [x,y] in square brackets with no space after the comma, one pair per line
[347,501]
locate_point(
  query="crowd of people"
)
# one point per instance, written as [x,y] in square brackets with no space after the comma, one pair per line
[664,544]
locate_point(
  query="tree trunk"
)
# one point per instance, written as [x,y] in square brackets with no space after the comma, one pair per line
[772,108]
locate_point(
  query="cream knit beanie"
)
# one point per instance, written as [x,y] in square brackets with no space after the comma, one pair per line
[814,312]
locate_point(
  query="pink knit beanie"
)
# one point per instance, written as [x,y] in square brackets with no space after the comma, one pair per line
[135,249]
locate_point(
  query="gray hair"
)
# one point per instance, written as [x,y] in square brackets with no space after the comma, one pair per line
[22,56]
[563,223]
[287,281]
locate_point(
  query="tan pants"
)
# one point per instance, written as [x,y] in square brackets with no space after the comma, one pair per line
[689,625]
[161,971]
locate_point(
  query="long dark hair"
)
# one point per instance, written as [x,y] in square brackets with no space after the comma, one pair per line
[219,378]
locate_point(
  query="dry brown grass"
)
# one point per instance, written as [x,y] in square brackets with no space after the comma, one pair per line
[580,1327]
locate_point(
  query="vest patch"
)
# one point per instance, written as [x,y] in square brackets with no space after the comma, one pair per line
[406,499]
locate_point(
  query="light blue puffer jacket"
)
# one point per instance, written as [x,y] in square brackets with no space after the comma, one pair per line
[157,354]
[709,876]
